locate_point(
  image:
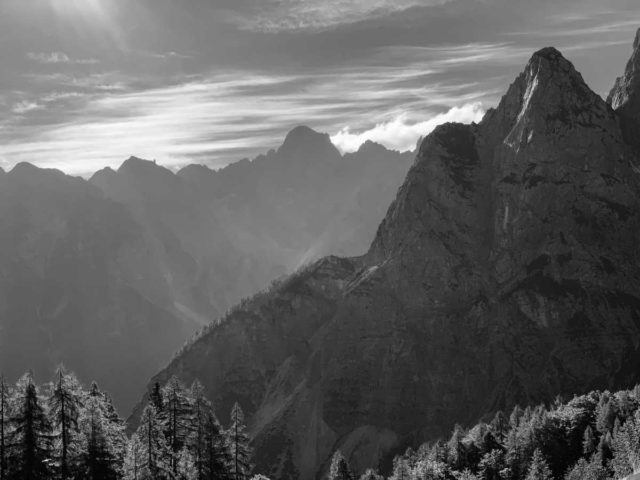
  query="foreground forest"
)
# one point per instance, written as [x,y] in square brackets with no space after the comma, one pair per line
[591,437]
[60,430]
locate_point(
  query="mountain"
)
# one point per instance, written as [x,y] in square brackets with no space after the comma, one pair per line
[223,235]
[505,271]
[625,97]
[77,284]
[111,276]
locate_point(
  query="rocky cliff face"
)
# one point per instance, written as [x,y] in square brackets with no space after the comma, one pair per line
[505,271]
[625,97]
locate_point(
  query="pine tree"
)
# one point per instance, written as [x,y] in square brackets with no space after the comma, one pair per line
[538,469]
[371,475]
[202,413]
[65,404]
[499,425]
[589,442]
[238,446]
[155,453]
[456,449]
[177,418]
[216,456]
[112,425]
[100,461]
[4,425]
[134,459]
[186,466]
[340,469]
[155,398]
[401,469]
[31,437]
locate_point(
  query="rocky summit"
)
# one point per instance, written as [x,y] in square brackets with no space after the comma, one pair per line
[506,271]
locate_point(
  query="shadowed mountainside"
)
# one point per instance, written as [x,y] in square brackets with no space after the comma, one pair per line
[505,271]
[112,276]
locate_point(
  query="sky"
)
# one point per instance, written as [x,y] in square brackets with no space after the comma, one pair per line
[85,84]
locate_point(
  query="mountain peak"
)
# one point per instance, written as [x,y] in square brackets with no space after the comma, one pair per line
[135,163]
[303,142]
[549,97]
[625,96]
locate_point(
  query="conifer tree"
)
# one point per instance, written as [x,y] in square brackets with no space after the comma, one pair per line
[155,398]
[456,449]
[538,469]
[155,453]
[4,426]
[177,418]
[65,404]
[186,466]
[112,425]
[401,469]
[100,460]
[31,436]
[202,412]
[238,446]
[134,459]
[589,442]
[499,425]
[216,456]
[371,475]
[340,469]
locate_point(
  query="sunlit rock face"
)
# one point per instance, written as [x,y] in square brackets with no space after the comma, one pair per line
[504,272]
[625,96]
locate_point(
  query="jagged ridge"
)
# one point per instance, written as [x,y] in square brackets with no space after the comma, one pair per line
[503,272]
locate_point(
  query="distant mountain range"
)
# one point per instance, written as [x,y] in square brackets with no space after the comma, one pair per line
[112,275]
[505,271]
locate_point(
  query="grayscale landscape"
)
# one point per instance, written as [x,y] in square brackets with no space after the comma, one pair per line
[343,240]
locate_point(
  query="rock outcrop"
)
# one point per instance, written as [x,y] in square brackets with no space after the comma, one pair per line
[506,271]
[625,96]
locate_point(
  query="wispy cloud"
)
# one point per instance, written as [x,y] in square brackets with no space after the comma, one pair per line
[223,116]
[59,57]
[25,106]
[295,15]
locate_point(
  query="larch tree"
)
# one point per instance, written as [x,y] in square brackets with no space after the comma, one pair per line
[134,460]
[113,426]
[176,417]
[371,475]
[4,426]
[202,412]
[100,460]
[155,397]
[401,469]
[238,444]
[216,457]
[155,453]
[186,466]
[31,435]
[538,468]
[340,469]
[65,404]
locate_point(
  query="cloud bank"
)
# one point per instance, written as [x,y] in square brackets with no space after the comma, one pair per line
[401,134]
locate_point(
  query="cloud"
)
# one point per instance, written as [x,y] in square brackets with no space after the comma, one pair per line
[317,15]
[402,134]
[59,57]
[25,106]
